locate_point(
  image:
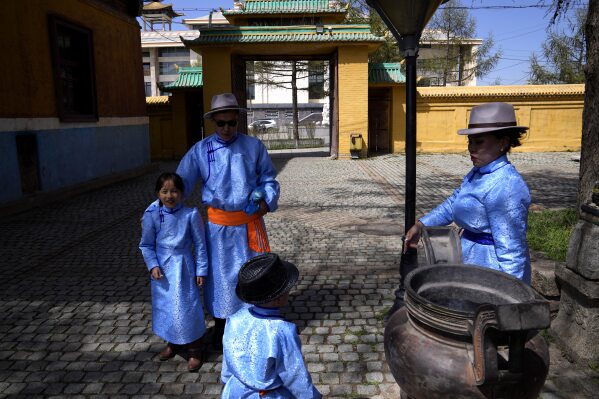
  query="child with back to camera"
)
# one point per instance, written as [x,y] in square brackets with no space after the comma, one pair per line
[174,250]
[262,355]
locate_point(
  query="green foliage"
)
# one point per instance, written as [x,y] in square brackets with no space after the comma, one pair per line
[360,13]
[549,231]
[450,32]
[563,54]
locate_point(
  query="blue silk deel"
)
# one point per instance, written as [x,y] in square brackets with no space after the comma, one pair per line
[492,205]
[230,171]
[262,352]
[174,240]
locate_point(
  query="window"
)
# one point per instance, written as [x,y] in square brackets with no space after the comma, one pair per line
[271,113]
[148,89]
[145,54]
[171,68]
[72,57]
[315,80]
[173,52]
[147,69]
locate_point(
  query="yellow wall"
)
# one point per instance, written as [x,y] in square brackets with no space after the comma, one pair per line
[27,88]
[160,114]
[553,113]
[353,96]
[216,70]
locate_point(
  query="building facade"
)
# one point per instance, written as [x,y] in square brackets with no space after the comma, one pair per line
[68,115]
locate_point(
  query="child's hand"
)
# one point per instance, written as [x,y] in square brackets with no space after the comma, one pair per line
[262,208]
[156,273]
[199,281]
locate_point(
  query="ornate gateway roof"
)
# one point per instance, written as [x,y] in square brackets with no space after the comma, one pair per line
[388,72]
[285,34]
[285,7]
[189,78]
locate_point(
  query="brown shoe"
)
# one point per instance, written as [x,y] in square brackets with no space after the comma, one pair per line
[167,353]
[194,361]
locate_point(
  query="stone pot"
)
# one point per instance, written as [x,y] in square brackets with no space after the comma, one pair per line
[467,332]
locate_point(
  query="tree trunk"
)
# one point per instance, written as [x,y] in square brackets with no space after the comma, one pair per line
[446,67]
[589,155]
[294,103]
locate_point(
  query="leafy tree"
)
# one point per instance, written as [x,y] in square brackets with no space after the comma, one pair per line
[563,54]
[284,74]
[449,32]
[359,12]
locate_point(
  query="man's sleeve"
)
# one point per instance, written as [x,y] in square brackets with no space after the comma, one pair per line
[267,175]
[189,170]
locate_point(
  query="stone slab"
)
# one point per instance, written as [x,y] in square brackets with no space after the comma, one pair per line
[583,250]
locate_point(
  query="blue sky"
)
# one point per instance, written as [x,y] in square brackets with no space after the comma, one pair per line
[517,31]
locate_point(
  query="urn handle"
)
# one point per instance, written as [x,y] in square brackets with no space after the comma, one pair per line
[513,319]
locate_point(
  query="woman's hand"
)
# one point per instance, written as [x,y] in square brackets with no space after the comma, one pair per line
[413,236]
[200,281]
[156,273]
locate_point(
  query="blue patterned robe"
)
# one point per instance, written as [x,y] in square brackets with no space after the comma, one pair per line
[229,171]
[493,199]
[262,351]
[166,241]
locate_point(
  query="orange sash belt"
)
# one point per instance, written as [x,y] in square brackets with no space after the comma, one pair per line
[257,238]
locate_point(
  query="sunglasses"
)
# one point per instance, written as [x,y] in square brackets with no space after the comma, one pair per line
[231,123]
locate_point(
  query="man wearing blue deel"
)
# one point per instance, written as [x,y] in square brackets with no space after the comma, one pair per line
[237,176]
[491,205]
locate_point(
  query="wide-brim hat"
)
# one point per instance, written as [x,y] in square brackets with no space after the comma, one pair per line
[223,102]
[491,117]
[265,278]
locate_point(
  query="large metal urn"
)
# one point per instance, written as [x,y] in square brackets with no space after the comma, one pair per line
[467,332]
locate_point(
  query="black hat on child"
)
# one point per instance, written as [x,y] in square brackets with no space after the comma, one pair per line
[265,278]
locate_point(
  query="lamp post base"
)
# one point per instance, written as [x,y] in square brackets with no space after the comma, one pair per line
[409,262]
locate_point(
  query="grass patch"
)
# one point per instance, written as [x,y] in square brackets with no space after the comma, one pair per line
[548,337]
[549,231]
[380,316]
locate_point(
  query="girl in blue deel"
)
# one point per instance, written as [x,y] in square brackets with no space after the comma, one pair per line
[174,250]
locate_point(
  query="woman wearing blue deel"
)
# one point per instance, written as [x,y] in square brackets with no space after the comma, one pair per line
[491,205]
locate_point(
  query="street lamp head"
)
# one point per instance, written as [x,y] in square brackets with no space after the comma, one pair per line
[406,19]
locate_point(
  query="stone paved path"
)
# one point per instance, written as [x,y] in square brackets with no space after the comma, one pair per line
[75,307]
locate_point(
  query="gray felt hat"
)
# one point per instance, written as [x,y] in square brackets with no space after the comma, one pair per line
[223,102]
[491,117]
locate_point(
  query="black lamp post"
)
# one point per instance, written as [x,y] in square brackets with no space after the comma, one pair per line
[406,19]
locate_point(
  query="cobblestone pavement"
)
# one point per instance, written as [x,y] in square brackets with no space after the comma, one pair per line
[75,305]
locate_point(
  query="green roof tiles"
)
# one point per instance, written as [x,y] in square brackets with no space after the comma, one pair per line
[189,78]
[284,7]
[388,72]
[286,34]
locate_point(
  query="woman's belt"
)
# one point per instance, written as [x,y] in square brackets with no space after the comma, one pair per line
[257,238]
[479,238]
